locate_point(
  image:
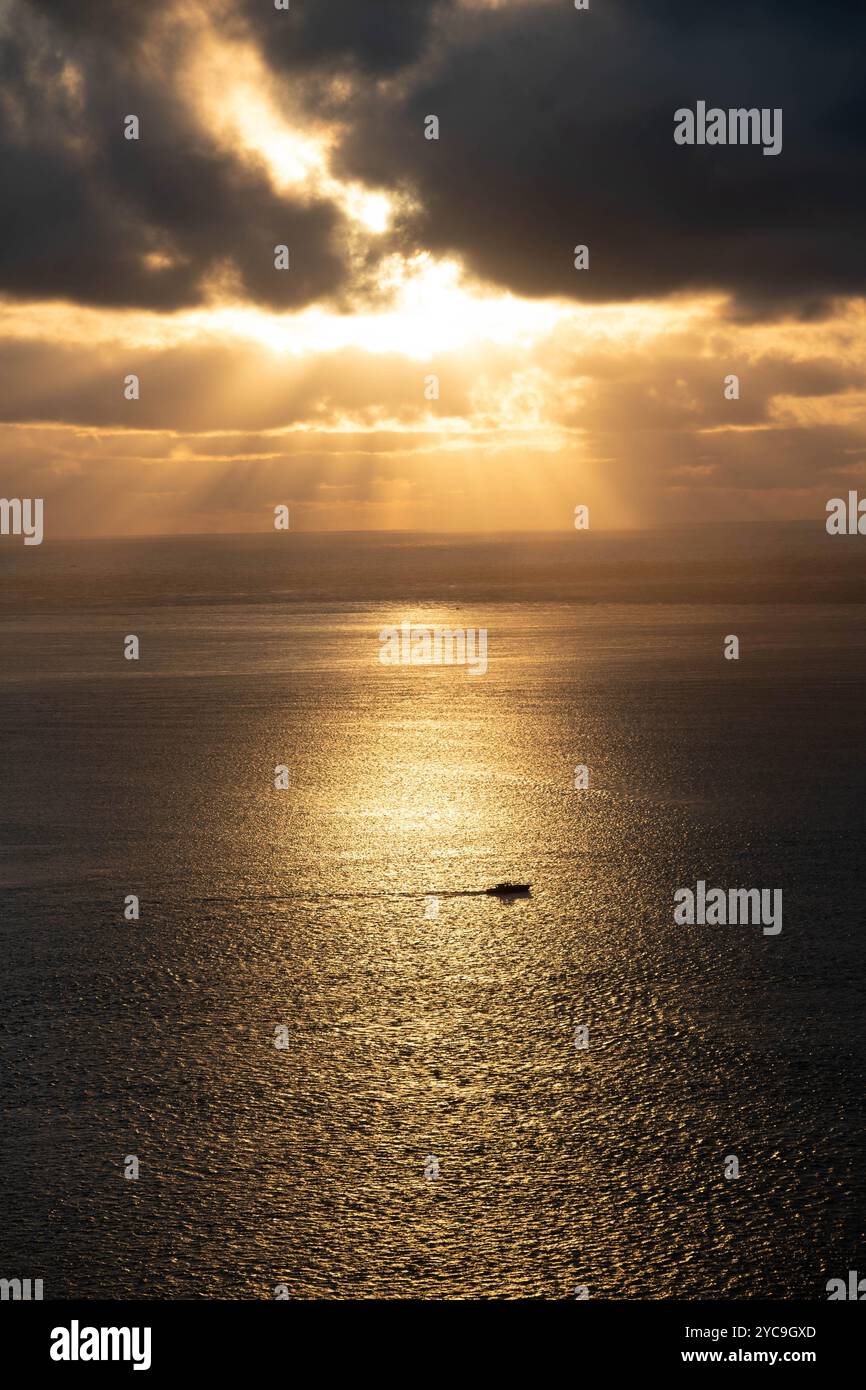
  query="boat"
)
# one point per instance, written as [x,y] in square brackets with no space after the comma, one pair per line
[510,890]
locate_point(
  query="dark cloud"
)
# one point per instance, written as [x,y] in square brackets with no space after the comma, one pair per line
[86,207]
[379,36]
[557,129]
[124,21]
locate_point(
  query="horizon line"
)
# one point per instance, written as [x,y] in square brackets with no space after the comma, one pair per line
[714,524]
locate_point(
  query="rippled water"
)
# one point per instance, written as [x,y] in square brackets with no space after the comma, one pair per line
[411,1037]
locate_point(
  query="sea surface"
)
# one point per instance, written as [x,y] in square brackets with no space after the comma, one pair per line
[418,1031]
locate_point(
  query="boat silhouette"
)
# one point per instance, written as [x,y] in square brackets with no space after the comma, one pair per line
[510,890]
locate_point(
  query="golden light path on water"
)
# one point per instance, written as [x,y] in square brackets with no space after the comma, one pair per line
[452,1039]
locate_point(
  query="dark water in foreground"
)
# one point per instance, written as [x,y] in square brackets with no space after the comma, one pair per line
[410,1037]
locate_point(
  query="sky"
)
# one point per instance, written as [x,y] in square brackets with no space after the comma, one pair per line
[413,258]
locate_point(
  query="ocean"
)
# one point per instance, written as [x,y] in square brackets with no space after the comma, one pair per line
[431,1124]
